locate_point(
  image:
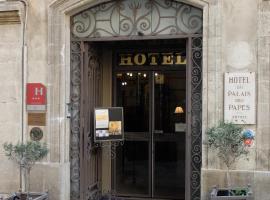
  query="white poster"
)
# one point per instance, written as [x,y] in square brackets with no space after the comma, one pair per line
[102,118]
[240,98]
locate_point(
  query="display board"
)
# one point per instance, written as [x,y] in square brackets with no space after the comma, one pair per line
[108,124]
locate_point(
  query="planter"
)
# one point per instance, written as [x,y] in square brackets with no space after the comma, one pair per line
[32,196]
[231,194]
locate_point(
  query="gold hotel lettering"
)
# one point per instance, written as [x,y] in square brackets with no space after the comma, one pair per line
[167,59]
[125,59]
[139,59]
[152,58]
[180,60]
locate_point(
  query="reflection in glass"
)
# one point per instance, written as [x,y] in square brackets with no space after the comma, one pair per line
[170,92]
[169,135]
[138,168]
[132,161]
[132,166]
[133,95]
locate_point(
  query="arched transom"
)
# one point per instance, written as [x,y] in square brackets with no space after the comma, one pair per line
[137,18]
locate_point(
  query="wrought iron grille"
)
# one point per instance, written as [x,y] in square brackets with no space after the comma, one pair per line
[75,71]
[196,118]
[137,17]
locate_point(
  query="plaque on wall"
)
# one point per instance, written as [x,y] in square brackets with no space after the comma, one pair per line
[240,98]
[108,124]
[36,134]
[37,119]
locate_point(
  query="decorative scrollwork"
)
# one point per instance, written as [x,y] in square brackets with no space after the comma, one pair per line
[100,22]
[94,78]
[196,117]
[110,195]
[75,120]
[134,17]
[111,146]
[93,192]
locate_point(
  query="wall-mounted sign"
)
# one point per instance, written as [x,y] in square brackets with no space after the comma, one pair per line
[109,124]
[151,59]
[35,97]
[37,119]
[240,98]
[36,134]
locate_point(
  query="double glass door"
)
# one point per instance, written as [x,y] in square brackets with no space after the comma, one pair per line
[151,163]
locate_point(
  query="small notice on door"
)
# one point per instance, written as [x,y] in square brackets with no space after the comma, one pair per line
[102,118]
[109,124]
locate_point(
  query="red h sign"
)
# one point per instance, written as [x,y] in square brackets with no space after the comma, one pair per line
[36,97]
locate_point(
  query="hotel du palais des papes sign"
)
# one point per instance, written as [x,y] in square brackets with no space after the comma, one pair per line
[240,98]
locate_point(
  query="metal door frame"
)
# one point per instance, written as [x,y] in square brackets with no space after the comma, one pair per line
[151,148]
[193,114]
[194,118]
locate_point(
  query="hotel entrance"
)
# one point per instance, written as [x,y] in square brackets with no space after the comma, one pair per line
[151,162]
[144,56]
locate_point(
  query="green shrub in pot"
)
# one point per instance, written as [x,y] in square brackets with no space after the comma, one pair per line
[227,140]
[26,155]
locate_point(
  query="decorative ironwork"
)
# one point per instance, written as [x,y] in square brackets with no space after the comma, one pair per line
[36,134]
[110,146]
[93,89]
[75,94]
[127,18]
[93,192]
[91,99]
[196,118]
[111,195]
[137,17]
[85,89]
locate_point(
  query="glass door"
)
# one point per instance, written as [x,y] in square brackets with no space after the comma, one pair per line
[168,136]
[151,163]
[133,159]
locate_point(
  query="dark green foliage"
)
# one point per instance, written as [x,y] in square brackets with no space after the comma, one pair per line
[228,140]
[232,192]
[239,192]
[26,154]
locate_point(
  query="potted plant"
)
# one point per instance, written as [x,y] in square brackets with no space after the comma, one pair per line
[228,140]
[26,155]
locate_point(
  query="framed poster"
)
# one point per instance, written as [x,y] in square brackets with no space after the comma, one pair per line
[108,124]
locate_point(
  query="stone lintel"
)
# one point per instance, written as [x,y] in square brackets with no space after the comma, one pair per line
[9,17]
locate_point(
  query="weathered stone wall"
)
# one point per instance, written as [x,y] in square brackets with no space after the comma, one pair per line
[244,35]
[10,94]
[52,174]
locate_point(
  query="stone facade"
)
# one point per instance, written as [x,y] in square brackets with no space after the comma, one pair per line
[236,38]
[11,92]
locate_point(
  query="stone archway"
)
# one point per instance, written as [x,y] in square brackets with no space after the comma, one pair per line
[129,20]
[60,11]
